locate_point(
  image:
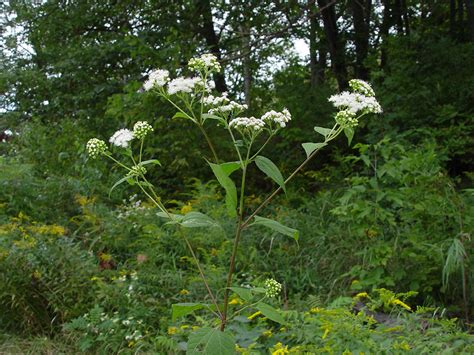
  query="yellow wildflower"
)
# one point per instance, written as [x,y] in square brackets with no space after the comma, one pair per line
[256,314]
[105,257]
[280,349]
[37,274]
[186,208]
[236,301]
[327,329]
[267,333]
[362,295]
[172,330]
[402,304]
[184,292]
[185,326]
[315,310]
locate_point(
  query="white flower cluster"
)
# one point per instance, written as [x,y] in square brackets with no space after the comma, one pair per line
[182,84]
[136,336]
[205,62]
[272,288]
[141,129]
[122,138]
[95,147]
[222,104]
[247,123]
[157,78]
[280,118]
[355,103]
[361,87]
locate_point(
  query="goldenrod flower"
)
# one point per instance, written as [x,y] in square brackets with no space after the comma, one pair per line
[256,314]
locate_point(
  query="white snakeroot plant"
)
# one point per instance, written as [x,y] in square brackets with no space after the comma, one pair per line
[249,136]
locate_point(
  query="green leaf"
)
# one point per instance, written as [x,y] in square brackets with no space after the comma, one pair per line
[211,341]
[196,220]
[230,167]
[244,293]
[182,309]
[212,117]
[228,185]
[177,217]
[276,226]
[311,147]
[270,312]
[151,161]
[121,181]
[271,170]
[179,114]
[349,132]
[323,131]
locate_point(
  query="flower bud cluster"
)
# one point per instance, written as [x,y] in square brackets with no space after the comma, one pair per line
[95,147]
[137,170]
[141,129]
[157,78]
[346,118]
[207,62]
[279,118]
[272,288]
[361,87]
[122,138]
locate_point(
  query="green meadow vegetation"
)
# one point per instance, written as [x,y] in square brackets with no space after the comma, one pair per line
[176,178]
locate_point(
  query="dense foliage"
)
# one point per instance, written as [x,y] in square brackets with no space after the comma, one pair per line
[383,262]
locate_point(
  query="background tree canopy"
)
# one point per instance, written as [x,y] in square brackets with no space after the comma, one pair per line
[395,210]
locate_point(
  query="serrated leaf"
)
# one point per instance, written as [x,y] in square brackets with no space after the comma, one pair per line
[182,309]
[271,170]
[309,148]
[324,131]
[270,312]
[349,132]
[197,220]
[211,341]
[276,226]
[244,293]
[228,185]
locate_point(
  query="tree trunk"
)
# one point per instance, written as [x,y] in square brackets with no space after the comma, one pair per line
[209,34]
[452,18]
[406,19]
[317,50]
[384,28]
[336,47]
[246,61]
[397,16]
[470,18]
[361,19]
